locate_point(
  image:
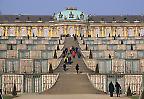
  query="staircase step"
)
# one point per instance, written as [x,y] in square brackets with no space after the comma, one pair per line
[69,82]
[73,84]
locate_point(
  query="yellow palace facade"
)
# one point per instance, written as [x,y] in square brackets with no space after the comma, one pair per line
[71,21]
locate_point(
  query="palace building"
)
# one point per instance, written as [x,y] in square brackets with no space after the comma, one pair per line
[71,21]
[31,46]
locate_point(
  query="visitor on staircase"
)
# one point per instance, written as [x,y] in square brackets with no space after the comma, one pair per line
[73,54]
[64,66]
[77,68]
[69,60]
[79,54]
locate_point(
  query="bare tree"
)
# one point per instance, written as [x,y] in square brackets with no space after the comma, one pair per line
[142,95]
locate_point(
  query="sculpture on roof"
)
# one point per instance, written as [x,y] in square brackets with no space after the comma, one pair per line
[71,14]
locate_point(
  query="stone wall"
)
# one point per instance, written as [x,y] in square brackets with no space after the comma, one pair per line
[121,66]
[27,83]
[101,82]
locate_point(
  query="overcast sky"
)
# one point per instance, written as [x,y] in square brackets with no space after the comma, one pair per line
[97,7]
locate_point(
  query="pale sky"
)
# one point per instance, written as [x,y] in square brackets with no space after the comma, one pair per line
[48,7]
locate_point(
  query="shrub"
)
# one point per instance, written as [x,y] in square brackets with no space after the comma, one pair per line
[14,92]
[50,68]
[55,54]
[58,47]
[59,42]
[97,69]
[90,55]
[142,95]
[86,47]
[11,47]
[129,93]
[83,42]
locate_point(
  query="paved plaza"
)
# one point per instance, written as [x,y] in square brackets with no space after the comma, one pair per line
[73,96]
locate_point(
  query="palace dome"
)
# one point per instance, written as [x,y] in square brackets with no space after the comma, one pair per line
[70,14]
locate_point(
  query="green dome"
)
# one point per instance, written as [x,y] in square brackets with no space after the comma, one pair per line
[70,14]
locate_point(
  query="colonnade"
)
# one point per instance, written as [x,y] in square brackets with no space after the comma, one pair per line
[56,31]
[124,31]
[40,31]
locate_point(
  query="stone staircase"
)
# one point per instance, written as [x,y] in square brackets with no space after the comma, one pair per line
[71,68]
[73,84]
[69,82]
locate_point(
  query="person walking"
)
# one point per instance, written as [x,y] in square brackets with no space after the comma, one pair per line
[73,54]
[118,88]
[69,60]
[66,50]
[76,49]
[64,59]
[64,66]
[75,37]
[79,54]
[111,89]
[77,68]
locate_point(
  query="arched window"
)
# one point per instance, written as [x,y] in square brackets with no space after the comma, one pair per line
[77,17]
[65,17]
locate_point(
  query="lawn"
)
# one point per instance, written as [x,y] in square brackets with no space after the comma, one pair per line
[134,97]
[8,97]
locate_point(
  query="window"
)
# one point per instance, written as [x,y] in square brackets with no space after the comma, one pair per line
[132,66]
[141,54]
[112,47]
[12,66]
[44,66]
[37,66]
[128,47]
[120,54]
[24,54]
[28,18]
[2,54]
[105,66]
[65,17]
[77,17]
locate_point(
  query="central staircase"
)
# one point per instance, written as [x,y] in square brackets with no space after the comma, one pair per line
[73,84]
[69,82]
